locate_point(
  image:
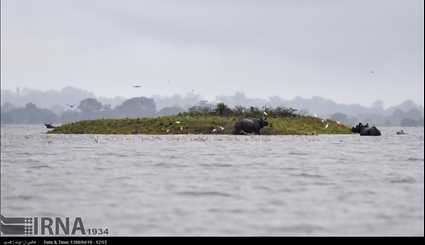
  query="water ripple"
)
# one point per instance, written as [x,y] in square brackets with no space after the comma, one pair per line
[218,185]
[204,194]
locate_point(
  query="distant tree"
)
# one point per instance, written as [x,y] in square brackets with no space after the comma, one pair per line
[136,107]
[107,107]
[90,105]
[200,110]
[30,114]
[239,110]
[414,113]
[7,107]
[30,106]
[222,110]
[253,112]
[407,122]
[90,108]
[57,109]
[172,110]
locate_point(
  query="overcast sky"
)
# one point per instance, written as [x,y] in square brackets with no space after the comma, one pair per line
[351,51]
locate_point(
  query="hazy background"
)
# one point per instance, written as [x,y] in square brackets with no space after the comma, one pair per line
[349,51]
[29,106]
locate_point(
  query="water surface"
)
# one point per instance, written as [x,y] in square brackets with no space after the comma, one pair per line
[218,185]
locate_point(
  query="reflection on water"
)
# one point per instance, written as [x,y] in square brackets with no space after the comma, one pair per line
[218,185]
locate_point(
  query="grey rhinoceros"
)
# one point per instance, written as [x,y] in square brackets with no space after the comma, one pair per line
[373,131]
[249,125]
[365,130]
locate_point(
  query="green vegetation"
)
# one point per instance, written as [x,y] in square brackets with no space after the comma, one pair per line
[220,120]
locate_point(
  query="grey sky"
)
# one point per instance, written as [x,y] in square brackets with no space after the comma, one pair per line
[287,48]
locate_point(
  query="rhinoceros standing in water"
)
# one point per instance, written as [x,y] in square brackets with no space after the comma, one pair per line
[373,131]
[249,125]
[365,130]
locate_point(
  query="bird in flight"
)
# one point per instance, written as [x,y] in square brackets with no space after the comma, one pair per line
[137,84]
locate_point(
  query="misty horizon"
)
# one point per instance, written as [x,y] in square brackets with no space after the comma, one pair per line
[19,91]
[73,104]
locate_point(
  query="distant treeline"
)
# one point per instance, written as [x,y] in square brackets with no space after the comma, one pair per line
[410,118]
[63,106]
[87,109]
[91,108]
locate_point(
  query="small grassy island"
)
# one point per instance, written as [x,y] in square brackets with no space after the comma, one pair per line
[282,121]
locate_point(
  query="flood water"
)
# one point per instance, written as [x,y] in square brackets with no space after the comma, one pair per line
[218,185]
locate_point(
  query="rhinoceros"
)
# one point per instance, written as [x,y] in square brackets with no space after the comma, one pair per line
[249,125]
[373,131]
[365,130]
